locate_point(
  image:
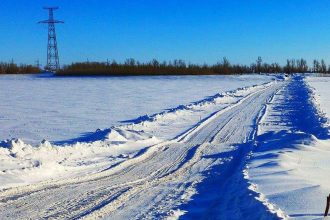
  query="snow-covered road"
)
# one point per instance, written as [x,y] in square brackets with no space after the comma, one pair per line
[200,172]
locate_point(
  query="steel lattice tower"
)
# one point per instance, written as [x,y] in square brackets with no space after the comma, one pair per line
[53,62]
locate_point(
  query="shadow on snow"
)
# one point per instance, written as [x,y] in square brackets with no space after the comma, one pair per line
[224,193]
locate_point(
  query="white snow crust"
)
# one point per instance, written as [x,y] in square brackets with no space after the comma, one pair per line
[24,162]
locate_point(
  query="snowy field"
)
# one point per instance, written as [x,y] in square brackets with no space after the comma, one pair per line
[215,147]
[92,154]
[71,109]
[34,108]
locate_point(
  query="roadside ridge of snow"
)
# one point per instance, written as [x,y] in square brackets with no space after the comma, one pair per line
[237,93]
[254,187]
[290,164]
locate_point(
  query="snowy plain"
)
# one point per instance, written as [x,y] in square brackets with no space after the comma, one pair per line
[127,171]
[45,110]
[34,108]
[256,148]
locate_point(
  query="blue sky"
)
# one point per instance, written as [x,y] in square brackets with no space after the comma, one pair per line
[198,31]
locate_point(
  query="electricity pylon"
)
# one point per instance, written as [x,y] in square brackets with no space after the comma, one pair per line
[53,62]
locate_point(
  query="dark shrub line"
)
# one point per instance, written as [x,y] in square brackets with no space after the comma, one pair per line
[175,67]
[12,68]
[180,67]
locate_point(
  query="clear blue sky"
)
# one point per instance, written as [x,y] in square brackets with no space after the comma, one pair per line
[197,31]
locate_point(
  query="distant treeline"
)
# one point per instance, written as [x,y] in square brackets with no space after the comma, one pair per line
[180,67]
[175,67]
[12,68]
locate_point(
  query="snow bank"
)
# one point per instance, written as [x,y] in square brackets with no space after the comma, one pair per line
[293,180]
[21,163]
[289,167]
